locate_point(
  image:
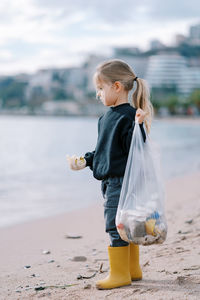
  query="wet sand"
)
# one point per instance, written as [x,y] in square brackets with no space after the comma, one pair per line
[170,270]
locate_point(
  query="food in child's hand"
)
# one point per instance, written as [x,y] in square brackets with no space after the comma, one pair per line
[76,162]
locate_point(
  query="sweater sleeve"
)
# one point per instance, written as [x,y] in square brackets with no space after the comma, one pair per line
[89,156]
[127,132]
[89,159]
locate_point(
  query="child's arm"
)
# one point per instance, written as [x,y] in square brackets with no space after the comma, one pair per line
[79,162]
[89,159]
[127,132]
[89,156]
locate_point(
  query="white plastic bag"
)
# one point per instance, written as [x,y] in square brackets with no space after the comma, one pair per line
[140,215]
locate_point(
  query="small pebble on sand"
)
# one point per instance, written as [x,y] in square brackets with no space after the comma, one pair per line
[46,252]
[27,267]
[73,236]
[79,258]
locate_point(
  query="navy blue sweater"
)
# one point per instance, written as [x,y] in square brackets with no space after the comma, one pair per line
[115,129]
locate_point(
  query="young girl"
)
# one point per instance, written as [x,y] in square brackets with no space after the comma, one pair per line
[113,80]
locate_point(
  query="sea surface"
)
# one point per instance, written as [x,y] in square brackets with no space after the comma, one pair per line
[35,180]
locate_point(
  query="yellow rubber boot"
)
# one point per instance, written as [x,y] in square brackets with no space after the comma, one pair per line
[135,270]
[119,269]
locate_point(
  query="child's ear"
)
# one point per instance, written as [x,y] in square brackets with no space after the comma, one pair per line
[118,86]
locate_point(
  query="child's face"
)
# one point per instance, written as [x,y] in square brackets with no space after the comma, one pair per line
[106,92]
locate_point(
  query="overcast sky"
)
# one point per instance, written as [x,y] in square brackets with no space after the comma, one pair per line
[38,34]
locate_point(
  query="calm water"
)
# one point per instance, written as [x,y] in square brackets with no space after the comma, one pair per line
[35,180]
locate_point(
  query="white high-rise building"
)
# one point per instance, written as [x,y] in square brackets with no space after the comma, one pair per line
[172,71]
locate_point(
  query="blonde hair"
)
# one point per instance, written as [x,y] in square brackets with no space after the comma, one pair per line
[117,70]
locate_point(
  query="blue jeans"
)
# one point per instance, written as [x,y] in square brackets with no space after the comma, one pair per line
[111,189]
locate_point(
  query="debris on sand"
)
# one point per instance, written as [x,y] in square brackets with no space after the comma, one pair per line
[73,236]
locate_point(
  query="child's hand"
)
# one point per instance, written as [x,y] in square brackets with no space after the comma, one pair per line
[140,115]
[76,162]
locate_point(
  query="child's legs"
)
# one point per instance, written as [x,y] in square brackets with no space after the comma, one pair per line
[115,239]
[111,195]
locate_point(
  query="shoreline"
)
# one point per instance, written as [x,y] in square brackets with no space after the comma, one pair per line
[176,118]
[74,210]
[170,270]
[179,119]
[164,123]
[79,210]
[51,216]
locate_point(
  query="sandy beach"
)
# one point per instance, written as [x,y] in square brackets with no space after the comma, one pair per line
[170,270]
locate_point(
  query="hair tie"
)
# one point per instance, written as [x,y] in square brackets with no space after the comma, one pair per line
[135,78]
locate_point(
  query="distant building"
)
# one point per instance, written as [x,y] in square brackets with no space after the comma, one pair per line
[90,67]
[41,78]
[76,77]
[60,108]
[193,39]
[190,80]
[76,83]
[126,51]
[172,71]
[133,57]
[156,44]
[180,39]
[39,83]
[194,34]
[164,70]
[137,63]
[58,84]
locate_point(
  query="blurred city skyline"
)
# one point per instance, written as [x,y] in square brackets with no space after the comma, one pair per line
[51,34]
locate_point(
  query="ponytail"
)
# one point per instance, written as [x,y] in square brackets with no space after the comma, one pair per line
[141,99]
